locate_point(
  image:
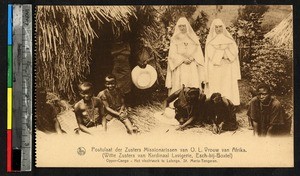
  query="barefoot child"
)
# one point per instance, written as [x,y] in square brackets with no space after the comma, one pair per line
[221,113]
[113,101]
[89,110]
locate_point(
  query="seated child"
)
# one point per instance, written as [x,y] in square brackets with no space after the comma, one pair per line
[188,102]
[267,114]
[221,113]
[113,101]
[46,114]
[89,110]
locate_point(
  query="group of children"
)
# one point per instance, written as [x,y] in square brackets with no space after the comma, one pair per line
[266,115]
[92,111]
[192,107]
[189,103]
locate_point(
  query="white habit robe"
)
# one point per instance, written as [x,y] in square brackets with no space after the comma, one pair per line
[222,64]
[183,47]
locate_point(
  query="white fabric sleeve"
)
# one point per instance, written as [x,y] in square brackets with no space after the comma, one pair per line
[174,59]
[231,52]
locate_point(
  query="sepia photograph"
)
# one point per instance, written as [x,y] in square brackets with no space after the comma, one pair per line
[164,86]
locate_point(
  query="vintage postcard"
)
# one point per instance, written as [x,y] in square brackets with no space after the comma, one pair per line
[164,86]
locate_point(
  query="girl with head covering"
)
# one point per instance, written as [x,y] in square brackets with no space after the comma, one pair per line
[222,63]
[185,59]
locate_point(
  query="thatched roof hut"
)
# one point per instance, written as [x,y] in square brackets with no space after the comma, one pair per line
[64,42]
[282,34]
[75,43]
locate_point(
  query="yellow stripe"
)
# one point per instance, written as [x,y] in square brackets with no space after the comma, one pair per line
[9,108]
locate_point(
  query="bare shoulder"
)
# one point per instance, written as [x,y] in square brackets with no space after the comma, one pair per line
[276,102]
[97,99]
[226,101]
[78,105]
[100,94]
[254,99]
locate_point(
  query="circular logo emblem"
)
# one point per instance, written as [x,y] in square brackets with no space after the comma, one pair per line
[81,151]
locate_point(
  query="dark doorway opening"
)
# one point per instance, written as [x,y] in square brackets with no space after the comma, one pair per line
[102,61]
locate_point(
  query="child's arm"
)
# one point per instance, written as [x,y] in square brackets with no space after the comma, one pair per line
[82,127]
[57,126]
[215,128]
[101,113]
[186,123]
[171,98]
[123,107]
[214,123]
[79,120]
[110,110]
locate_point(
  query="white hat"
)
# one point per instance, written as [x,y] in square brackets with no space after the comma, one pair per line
[143,78]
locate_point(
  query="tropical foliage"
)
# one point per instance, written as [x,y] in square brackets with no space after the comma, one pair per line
[247,29]
[272,66]
[264,57]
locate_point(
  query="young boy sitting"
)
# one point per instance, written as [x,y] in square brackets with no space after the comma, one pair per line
[113,101]
[89,110]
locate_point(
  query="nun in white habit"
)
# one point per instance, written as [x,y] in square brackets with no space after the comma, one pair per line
[185,59]
[222,63]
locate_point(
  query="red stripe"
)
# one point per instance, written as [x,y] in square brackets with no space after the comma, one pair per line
[9,151]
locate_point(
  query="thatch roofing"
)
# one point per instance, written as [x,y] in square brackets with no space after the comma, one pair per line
[64,40]
[282,34]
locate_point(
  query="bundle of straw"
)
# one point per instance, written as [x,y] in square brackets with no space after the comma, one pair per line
[282,34]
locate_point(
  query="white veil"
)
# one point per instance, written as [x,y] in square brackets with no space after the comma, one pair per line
[190,32]
[213,38]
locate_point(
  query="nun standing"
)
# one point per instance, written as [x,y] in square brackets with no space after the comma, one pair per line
[222,63]
[185,59]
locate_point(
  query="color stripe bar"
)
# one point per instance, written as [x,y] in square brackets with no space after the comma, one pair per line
[9,88]
[9,151]
[9,24]
[9,108]
[9,67]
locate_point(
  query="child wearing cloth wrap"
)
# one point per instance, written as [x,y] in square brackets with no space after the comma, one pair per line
[221,113]
[188,101]
[114,105]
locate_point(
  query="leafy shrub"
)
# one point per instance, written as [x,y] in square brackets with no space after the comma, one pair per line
[246,29]
[273,66]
